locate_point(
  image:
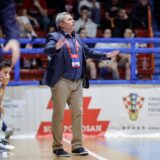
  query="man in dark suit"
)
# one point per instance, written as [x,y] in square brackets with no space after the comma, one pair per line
[66,74]
[9,28]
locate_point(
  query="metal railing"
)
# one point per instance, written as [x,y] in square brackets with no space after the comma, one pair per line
[132,50]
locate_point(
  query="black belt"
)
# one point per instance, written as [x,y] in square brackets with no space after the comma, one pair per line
[73,80]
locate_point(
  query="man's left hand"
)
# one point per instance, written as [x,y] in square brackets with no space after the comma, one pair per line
[112,54]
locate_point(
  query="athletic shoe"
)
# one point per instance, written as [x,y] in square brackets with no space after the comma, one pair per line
[80,152]
[61,153]
[4,141]
[6,147]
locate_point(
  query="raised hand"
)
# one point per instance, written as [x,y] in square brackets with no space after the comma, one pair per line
[60,43]
[112,54]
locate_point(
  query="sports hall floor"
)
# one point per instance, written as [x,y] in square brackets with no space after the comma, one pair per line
[99,149]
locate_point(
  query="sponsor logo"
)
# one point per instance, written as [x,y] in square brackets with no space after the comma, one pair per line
[91,126]
[133,103]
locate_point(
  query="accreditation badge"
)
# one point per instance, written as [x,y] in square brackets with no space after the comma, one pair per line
[75,60]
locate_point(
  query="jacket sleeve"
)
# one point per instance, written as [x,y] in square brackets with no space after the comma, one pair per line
[92,53]
[51,41]
[8,20]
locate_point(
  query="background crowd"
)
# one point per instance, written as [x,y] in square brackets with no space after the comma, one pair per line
[93,19]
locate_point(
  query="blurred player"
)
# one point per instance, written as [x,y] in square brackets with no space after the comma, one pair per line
[5,68]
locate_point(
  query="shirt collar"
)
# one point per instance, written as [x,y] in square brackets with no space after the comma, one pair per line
[67,35]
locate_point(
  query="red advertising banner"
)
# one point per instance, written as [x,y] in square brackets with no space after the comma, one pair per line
[91,125]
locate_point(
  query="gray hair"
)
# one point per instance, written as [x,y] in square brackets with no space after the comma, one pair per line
[60,18]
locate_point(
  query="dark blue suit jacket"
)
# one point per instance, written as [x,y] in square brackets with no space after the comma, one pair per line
[8,20]
[57,64]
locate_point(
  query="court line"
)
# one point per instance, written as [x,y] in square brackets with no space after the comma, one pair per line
[90,152]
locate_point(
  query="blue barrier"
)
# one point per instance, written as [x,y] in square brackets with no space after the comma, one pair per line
[132,50]
[19,83]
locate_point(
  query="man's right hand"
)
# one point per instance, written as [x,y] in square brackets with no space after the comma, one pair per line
[60,43]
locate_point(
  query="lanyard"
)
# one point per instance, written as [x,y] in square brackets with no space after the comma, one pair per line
[74,57]
[69,48]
